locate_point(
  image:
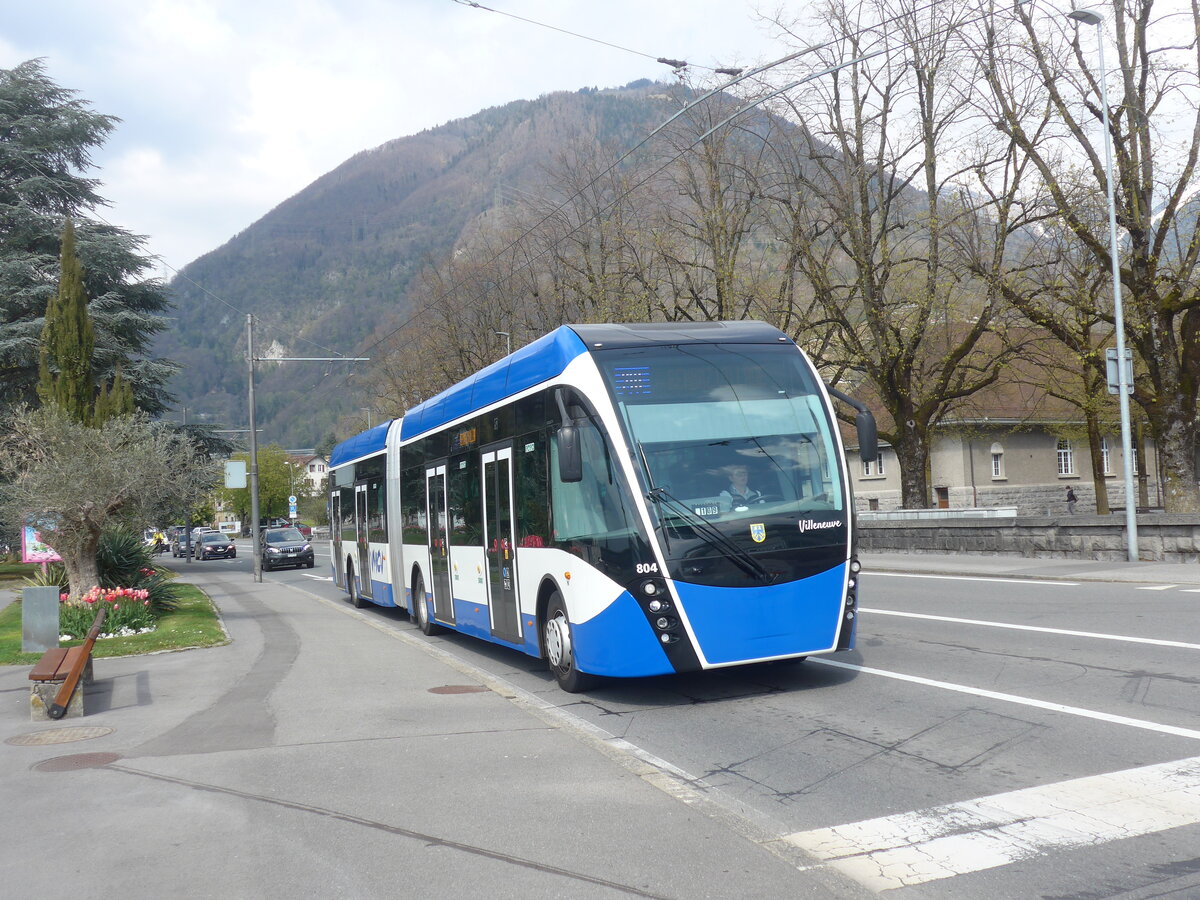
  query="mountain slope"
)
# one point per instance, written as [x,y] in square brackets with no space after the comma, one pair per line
[329,265]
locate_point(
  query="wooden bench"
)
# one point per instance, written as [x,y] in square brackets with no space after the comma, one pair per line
[57,675]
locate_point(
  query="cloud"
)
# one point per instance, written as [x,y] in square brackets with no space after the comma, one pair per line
[228,108]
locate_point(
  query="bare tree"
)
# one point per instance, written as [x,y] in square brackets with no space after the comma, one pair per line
[870,205]
[1154,120]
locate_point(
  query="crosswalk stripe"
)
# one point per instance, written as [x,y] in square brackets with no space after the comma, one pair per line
[943,841]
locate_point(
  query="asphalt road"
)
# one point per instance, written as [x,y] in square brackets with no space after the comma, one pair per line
[1042,737]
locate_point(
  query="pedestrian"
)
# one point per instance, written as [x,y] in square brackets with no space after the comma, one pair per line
[1071,500]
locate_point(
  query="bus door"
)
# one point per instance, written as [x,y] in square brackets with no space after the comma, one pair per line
[335,532]
[360,540]
[498,539]
[439,544]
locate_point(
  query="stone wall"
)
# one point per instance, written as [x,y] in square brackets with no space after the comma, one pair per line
[1161,537]
[1030,499]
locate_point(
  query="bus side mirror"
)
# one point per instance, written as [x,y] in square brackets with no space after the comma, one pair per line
[570,457]
[868,436]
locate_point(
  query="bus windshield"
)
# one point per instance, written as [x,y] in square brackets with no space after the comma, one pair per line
[737,435]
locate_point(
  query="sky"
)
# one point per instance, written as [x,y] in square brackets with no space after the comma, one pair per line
[229,107]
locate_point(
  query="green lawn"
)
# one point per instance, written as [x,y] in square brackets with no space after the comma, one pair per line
[193,624]
[12,574]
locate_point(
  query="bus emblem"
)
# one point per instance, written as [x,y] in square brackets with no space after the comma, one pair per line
[758,532]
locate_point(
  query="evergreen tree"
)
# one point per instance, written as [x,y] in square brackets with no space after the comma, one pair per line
[68,340]
[47,136]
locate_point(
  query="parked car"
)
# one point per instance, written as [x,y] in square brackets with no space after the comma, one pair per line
[214,545]
[305,530]
[286,547]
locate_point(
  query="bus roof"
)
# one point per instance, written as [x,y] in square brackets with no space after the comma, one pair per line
[532,364]
[367,443]
[549,355]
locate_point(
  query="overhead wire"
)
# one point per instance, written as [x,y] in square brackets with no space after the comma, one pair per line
[744,76]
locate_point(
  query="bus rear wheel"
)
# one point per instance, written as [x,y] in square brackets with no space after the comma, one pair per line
[426,624]
[560,649]
[358,601]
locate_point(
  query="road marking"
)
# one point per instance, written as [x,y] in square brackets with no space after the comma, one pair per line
[318,577]
[1014,698]
[1063,631]
[968,578]
[942,841]
[1158,587]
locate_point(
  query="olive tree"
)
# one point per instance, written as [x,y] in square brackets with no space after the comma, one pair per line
[75,481]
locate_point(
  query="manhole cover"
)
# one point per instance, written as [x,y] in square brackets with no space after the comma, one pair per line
[76,761]
[458,689]
[59,736]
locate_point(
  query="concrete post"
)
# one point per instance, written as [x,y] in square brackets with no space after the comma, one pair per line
[39,619]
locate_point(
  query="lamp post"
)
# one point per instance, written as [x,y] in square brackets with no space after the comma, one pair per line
[1092,17]
[507,341]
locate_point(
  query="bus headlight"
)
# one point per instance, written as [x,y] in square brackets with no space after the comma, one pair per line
[855,566]
[650,588]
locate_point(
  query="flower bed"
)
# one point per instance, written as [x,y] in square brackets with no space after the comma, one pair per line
[129,612]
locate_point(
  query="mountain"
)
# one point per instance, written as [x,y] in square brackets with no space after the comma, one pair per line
[330,265]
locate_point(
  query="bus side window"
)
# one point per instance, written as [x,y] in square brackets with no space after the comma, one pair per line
[412,505]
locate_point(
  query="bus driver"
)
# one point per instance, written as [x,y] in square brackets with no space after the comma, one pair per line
[739,493]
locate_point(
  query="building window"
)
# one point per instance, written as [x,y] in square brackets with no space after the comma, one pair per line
[873,469]
[1105,457]
[997,461]
[1066,458]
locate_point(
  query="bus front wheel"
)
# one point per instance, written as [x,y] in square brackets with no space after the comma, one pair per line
[560,651]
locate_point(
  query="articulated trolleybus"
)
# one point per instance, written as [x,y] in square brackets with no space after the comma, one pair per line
[622,500]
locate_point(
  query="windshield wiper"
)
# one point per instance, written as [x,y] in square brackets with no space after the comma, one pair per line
[736,554]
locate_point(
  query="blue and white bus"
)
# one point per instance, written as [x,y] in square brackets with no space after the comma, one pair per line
[621,500]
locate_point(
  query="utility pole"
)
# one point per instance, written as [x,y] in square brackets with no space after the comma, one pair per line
[255,545]
[250,360]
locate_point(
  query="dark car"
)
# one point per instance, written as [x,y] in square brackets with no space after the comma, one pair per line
[286,547]
[214,545]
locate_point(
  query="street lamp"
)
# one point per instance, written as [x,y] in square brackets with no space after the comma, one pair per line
[507,341]
[1092,17]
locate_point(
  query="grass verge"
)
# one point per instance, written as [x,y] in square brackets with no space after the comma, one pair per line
[13,574]
[193,624]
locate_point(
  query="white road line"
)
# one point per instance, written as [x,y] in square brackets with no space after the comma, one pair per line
[1014,698]
[1088,634]
[967,578]
[318,577]
[942,841]
[1158,587]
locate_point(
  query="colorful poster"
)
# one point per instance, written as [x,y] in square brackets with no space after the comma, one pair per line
[34,549]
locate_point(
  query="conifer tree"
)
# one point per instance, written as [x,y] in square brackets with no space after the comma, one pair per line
[65,359]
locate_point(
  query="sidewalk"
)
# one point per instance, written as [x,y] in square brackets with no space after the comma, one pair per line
[325,752]
[1025,567]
